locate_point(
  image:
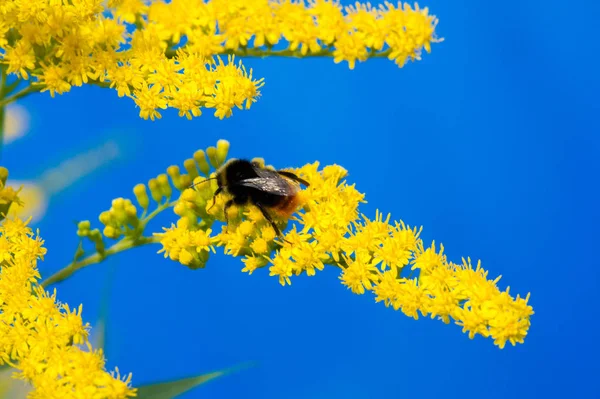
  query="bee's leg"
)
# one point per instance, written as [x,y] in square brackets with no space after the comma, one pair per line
[215,197]
[225,209]
[292,176]
[270,220]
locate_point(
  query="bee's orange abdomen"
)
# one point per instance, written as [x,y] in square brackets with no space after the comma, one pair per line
[288,206]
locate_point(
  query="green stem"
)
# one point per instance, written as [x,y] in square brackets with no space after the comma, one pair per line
[122,245]
[33,88]
[262,53]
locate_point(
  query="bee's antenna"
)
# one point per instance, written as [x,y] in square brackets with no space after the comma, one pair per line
[200,182]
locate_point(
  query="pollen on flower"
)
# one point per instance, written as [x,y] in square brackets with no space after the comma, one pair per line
[45,341]
[374,256]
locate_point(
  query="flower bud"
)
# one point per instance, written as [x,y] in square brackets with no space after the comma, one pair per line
[106,218]
[180,208]
[211,152]
[190,167]
[200,159]
[155,190]
[96,238]
[118,204]
[84,225]
[3,175]
[222,151]
[185,181]
[141,196]
[111,232]
[189,195]
[175,175]
[165,187]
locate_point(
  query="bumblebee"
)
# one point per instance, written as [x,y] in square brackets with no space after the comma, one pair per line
[268,190]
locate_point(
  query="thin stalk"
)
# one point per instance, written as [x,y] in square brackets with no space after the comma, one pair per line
[121,245]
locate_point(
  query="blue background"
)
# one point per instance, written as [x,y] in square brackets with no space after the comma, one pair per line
[490,143]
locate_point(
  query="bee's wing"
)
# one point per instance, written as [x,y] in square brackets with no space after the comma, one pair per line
[273,185]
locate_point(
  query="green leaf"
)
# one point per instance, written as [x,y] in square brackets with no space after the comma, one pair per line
[171,389]
[99,330]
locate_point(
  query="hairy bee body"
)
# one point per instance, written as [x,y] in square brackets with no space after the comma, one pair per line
[269,190]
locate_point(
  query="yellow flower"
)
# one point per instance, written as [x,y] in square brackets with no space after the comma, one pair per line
[361,273]
[54,78]
[372,255]
[150,99]
[42,338]
[283,267]
[351,48]
[20,58]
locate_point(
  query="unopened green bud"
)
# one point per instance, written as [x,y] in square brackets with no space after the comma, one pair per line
[3,175]
[131,212]
[204,255]
[84,225]
[175,175]
[96,237]
[200,159]
[141,195]
[83,228]
[222,151]
[211,153]
[185,181]
[190,167]
[165,187]
[155,190]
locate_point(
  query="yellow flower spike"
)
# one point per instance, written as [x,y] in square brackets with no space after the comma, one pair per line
[166,61]
[371,254]
[45,341]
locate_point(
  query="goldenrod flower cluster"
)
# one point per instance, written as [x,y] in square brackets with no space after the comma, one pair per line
[161,54]
[314,27]
[61,44]
[41,337]
[386,258]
